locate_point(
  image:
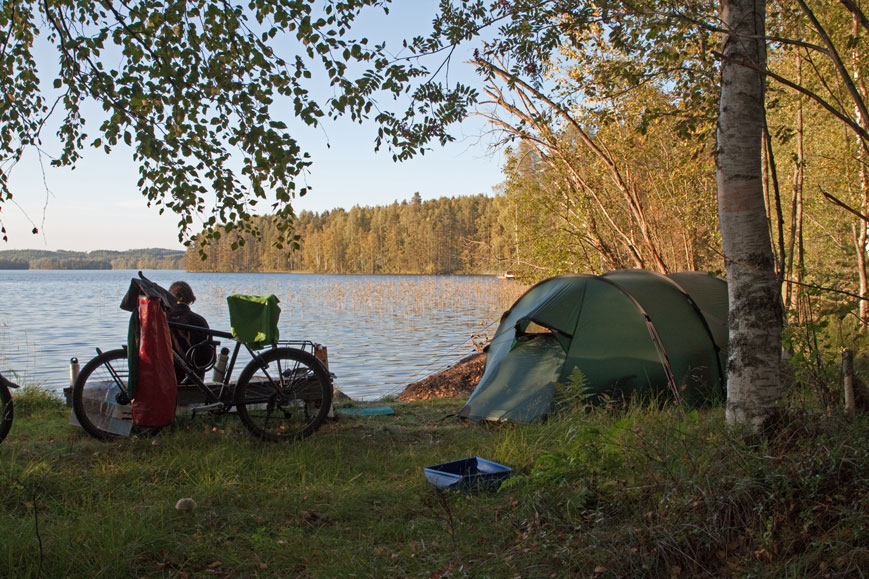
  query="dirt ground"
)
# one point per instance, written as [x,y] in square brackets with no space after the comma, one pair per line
[457,380]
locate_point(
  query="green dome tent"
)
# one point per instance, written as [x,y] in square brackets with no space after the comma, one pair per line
[630,332]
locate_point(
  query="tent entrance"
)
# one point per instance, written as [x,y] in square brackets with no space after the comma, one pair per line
[523,384]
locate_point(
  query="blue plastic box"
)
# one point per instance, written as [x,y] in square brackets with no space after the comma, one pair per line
[470,474]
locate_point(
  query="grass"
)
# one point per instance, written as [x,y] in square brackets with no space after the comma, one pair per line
[652,492]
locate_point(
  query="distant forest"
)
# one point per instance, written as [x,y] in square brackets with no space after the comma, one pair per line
[100,259]
[455,235]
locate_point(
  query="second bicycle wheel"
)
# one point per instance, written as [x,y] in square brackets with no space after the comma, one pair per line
[283,394]
[100,401]
[6,413]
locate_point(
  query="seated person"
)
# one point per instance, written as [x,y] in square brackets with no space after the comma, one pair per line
[183,339]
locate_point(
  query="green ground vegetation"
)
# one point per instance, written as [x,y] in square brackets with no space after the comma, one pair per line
[652,491]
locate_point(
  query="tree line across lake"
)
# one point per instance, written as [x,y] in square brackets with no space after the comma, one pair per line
[100,259]
[455,235]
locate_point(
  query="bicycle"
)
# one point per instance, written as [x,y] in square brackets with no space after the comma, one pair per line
[6,413]
[284,393]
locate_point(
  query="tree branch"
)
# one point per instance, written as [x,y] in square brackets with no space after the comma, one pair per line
[836,201]
[837,61]
[861,132]
[855,10]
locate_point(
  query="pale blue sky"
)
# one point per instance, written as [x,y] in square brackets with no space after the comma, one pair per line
[98,206]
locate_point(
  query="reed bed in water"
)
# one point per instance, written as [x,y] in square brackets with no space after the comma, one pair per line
[406,296]
[383,332]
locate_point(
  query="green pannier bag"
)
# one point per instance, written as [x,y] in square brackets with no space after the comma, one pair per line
[254,319]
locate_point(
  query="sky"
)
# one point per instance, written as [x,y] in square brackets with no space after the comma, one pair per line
[98,205]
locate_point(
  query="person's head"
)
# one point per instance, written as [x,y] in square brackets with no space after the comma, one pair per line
[182,292]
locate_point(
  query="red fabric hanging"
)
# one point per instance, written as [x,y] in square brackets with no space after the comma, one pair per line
[157,390]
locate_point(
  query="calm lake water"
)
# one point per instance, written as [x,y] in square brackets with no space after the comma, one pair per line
[382,332]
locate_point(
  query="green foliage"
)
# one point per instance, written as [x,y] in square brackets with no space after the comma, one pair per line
[34,401]
[823,325]
[574,396]
[609,48]
[191,86]
[670,491]
[203,92]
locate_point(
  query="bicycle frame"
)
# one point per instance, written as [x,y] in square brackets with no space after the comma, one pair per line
[216,401]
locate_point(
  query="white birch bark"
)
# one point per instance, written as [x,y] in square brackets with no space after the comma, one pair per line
[753,387]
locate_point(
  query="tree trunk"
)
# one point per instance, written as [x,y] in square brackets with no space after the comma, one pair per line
[861,234]
[753,387]
[774,208]
[860,240]
[794,269]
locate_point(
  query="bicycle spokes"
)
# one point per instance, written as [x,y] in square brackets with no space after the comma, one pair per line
[285,394]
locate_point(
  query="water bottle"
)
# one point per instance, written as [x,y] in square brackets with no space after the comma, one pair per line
[73,376]
[220,365]
[73,370]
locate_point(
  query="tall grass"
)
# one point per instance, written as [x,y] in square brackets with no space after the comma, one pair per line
[642,491]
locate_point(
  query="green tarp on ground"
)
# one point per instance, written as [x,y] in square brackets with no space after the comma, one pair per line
[630,333]
[366,411]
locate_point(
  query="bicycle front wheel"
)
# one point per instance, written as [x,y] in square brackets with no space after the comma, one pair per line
[283,394]
[5,411]
[100,400]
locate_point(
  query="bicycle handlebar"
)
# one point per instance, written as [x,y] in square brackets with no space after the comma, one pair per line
[202,329]
[7,383]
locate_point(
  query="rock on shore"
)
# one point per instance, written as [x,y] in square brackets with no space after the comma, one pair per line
[456,381]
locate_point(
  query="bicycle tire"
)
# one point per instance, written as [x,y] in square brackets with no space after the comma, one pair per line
[6,413]
[99,398]
[283,394]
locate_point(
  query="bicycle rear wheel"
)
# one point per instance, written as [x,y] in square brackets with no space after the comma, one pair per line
[100,401]
[5,411]
[283,394]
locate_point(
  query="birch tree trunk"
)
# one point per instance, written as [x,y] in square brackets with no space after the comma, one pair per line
[753,387]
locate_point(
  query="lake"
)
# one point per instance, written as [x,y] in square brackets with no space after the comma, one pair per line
[382,332]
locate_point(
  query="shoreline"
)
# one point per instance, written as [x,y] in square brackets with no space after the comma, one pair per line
[458,380]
